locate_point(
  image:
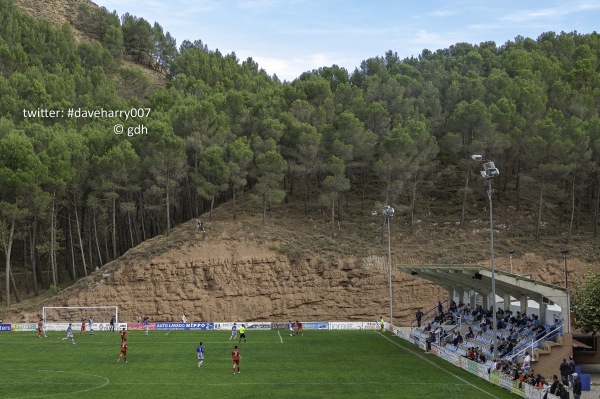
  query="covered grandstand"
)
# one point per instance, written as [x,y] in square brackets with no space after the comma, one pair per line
[472,286]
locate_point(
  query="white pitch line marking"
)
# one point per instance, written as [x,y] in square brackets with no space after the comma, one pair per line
[106,382]
[437,366]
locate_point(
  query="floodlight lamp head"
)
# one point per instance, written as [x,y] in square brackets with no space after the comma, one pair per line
[492,172]
[476,157]
[489,170]
[388,211]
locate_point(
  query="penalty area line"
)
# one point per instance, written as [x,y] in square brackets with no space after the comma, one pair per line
[437,366]
[280,338]
[105,383]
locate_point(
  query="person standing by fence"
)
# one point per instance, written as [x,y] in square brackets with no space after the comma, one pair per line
[571,370]
[564,372]
[576,386]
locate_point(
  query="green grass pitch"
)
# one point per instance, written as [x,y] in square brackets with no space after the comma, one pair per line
[320,364]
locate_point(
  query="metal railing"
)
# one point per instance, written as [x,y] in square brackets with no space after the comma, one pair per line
[536,341]
[429,315]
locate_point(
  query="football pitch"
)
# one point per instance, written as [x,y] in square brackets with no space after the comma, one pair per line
[320,364]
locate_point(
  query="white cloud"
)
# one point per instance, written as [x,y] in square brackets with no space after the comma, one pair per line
[444,13]
[290,68]
[553,13]
[258,4]
[194,6]
[423,39]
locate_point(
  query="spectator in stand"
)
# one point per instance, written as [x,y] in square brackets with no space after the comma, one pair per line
[471,353]
[481,358]
[449,319]
[498,365]
[509,348]
[443,335]
[540,332]
[576,386]
[523,378]
[564,372]
[440,308]
[517,372]
[429,341]
[540,382]
[502,345]
[470,334]
[499,341]
[536,322]
[428,328]
[467,310]
[571,370]
[418,316]
[501,324]
[527,361]
[458,339]
[505,367]
[453,306]
[480,313]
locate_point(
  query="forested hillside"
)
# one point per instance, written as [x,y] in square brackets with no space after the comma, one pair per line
[74,195]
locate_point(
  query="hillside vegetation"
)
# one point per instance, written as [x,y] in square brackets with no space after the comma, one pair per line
[329,147]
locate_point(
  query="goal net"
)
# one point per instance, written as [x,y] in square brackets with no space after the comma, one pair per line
[58,317]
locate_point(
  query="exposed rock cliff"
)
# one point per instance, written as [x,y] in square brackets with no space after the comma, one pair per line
[216,280]
[224,277]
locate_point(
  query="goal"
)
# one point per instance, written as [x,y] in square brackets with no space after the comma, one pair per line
[101,315]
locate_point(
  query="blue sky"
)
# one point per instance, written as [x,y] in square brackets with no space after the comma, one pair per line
[290,37]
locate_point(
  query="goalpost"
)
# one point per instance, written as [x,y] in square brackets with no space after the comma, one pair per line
[101,315]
